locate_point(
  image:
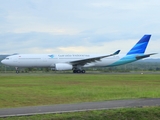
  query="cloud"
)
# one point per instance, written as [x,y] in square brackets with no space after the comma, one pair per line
[45,26]
[46,29]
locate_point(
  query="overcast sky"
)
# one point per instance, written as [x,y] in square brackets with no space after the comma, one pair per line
[77,26]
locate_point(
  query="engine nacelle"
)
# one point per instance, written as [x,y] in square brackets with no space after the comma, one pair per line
[63,66]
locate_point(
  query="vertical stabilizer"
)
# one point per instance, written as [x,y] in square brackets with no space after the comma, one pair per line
[140,46]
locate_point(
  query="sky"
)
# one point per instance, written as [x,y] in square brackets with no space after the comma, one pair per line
[78,26]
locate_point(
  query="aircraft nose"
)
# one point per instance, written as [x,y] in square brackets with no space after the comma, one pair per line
[3,61]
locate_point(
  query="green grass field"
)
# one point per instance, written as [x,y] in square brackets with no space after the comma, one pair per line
[18,90]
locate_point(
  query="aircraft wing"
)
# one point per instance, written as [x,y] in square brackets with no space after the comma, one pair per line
[94,59]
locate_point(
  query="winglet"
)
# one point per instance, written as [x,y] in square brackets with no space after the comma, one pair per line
[117,52]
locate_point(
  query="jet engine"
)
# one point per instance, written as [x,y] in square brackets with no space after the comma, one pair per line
[62,66]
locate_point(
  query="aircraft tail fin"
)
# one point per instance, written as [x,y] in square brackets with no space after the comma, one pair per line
[140,46]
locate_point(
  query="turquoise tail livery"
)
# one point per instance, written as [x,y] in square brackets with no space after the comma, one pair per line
[136,53]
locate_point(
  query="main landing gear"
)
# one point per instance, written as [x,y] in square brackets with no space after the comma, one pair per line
[79,71]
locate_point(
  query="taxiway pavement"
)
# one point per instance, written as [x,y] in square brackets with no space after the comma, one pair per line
[62,108]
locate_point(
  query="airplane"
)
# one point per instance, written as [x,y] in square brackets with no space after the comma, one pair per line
[77,62]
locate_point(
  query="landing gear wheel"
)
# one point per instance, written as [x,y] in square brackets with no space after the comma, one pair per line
[78,71]
[83,71]
[74,71]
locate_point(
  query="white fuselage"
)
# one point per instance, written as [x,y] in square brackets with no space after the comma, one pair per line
[48,60]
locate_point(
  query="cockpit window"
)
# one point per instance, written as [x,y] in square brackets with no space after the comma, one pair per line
[7,58]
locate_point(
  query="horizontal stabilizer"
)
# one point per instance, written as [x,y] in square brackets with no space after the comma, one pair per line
[144,56]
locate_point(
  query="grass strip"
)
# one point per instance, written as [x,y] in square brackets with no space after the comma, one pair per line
[44,89]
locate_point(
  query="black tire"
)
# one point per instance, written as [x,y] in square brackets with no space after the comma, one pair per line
[78,71]
[74,71]
[83,71]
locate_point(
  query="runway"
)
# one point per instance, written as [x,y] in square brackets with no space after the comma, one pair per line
[62,108]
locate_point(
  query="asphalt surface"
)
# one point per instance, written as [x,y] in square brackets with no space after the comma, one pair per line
[62,108]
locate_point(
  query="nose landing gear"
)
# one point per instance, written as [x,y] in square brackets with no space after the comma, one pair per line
[17,71]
